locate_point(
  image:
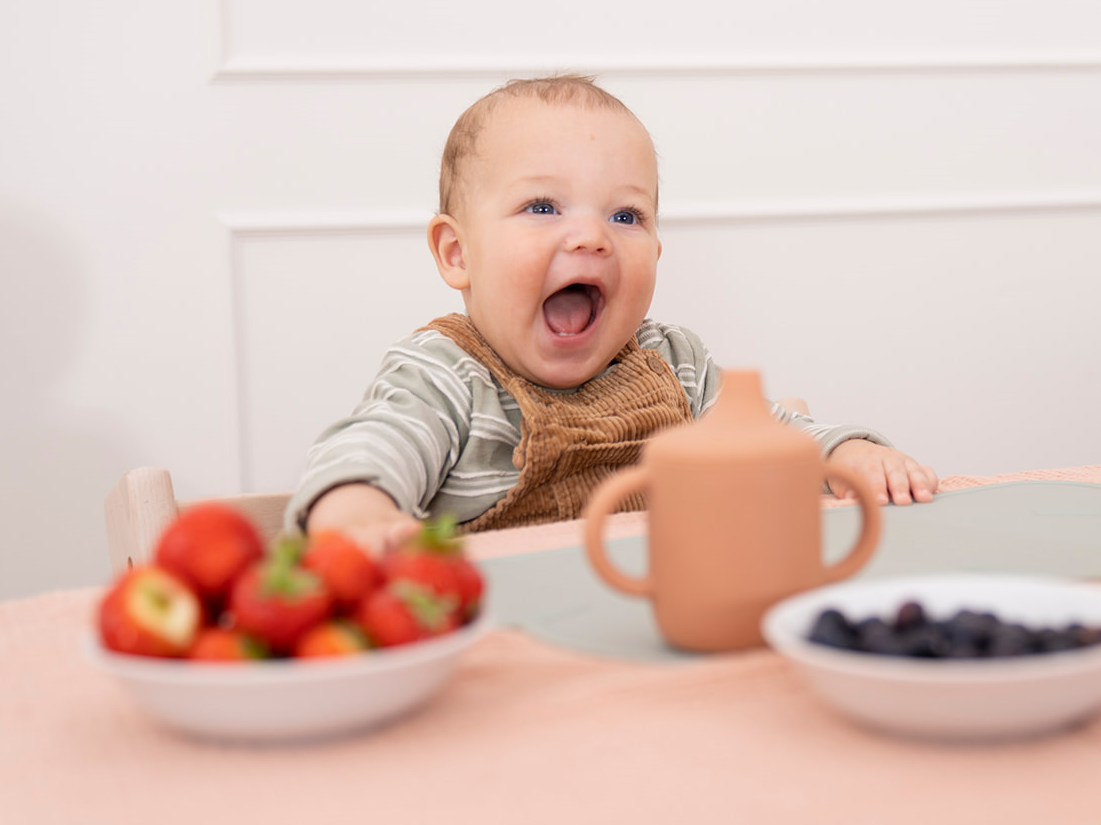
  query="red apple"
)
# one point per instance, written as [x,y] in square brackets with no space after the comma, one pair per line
[150,612]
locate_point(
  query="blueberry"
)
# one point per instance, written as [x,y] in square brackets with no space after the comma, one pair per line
[1010,640]
[974,629]
[1087,636]
[1049,640]
[966,635]
[909,616]
[928,641]
[833,629]
[876,636]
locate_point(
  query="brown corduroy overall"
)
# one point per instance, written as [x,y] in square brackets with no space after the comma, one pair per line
[570,442]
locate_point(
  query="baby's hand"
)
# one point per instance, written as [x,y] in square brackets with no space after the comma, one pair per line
[381,538]
[366,515]
[893,476]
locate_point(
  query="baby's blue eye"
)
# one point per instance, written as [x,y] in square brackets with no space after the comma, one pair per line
[626,217]
[542,208]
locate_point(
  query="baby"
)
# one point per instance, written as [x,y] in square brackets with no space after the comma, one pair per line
[554,378]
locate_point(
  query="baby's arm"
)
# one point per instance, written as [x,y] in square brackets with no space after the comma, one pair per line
[380,466]
[892,475]
[365,513]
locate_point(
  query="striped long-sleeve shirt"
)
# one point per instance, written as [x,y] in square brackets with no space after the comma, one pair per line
[436,432]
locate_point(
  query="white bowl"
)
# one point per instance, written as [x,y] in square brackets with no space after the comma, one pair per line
[949,699]
[288,699]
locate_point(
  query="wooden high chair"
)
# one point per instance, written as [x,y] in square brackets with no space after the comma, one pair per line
[794,404]
[143,503]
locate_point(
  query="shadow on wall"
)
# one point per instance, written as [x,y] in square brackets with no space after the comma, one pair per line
[58,460]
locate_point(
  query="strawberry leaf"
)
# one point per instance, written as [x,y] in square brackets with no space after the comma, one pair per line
[282,574]
[438,535]
[288,549]
[430,610]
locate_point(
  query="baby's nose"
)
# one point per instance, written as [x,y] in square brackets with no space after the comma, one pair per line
[588,234]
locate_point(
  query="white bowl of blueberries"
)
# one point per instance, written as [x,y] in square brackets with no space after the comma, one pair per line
[952,657]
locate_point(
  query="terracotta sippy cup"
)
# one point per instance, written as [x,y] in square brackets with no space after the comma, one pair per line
[734,504]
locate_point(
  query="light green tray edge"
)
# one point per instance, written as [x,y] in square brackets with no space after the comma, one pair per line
[1048,527]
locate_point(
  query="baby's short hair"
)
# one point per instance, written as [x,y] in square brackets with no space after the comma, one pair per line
[554,90]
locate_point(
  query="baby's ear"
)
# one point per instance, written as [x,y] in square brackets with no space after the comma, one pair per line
[447,249]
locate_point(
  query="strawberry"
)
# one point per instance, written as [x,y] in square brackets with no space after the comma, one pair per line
[403,611]
[149,612]
[430,570]
[435,560]
[221,644]
[336,637]
[345,567]
[277,600]
[208,546]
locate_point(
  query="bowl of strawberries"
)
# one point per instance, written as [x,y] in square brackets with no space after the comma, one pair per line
[222,637]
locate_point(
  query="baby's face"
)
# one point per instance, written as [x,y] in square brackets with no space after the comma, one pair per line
[558,237]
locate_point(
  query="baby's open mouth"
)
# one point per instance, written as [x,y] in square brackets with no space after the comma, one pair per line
[572,310]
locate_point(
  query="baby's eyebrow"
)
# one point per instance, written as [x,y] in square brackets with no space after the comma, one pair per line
[536,180]
[639,190]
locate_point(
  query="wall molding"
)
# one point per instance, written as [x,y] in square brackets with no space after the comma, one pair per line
[246,225]
[325,68]
[902,208]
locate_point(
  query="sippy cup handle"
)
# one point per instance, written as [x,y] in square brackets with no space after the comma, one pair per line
[603,502]
[865,545]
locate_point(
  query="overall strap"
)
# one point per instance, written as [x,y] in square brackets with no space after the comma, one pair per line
[572,440]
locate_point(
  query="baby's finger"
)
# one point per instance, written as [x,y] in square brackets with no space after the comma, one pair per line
[875,481]
[364,536]
[898,482]
[399,533]
[923,483]
[840,489]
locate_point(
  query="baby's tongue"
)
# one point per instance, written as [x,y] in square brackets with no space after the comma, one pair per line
[568,311]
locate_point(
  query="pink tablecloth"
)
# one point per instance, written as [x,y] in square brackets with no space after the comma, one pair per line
[525,733]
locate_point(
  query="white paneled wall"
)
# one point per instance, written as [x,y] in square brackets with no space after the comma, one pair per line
[211,222]
[306,354]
